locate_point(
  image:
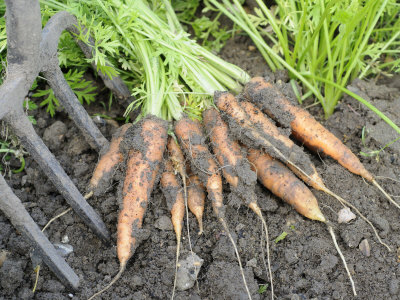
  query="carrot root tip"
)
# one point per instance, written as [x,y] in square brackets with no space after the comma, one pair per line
[330,229]
[386,194]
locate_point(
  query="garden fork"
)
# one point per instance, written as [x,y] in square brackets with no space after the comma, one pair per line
[31,50]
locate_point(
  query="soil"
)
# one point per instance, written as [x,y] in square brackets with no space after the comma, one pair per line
[305,263]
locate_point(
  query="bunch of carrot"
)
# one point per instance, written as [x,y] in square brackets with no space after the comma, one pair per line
[246,145]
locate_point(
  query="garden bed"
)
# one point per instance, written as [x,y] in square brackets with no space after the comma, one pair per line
[305,264]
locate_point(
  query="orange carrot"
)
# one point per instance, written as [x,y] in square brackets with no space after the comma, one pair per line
[314,180]
[267,126]
[251,135]
[148,140]
[235,168]
[305,128]
[281,182]
[196,196]
[107,164]
[191,139]
[172,190]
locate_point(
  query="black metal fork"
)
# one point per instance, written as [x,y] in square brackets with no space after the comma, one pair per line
[31,50]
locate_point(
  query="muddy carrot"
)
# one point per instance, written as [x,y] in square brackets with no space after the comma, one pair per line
[148,140]
[235,168]
[305,128]
[282,183]
[196,196]
[192,140]
[173,193]
[107,164]
[249,133]
[314,180]
[268,127]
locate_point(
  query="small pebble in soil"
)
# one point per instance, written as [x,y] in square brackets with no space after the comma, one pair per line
[64,249]
[365,248]
[252,263]
[65,239]
[188,269]
[163,223]
[345,215]
[54,135]
[291,256]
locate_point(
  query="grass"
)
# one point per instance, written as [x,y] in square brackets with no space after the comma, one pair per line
[334,40]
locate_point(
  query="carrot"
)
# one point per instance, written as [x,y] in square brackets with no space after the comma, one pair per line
[196,196]
[172,190]
[282,183]
[191,139]
[107,164]
[175,200]
[267,126]
[235,168]
[253,136]
[148,140]
[305,128]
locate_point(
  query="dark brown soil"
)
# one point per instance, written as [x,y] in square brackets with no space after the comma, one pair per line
[305,264]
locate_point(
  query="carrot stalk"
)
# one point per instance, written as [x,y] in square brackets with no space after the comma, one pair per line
[282,183]
[235,168]
[305,128]
[191,139]
[147,140]
[107,164]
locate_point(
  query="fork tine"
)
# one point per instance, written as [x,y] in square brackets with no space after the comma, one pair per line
[23,222]
[74,109]
[23,128]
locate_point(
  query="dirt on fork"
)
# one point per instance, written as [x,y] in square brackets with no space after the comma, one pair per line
[305,264]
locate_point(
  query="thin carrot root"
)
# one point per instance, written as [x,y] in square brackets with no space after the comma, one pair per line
[237,255]
[191,139]
[122,268]
[176,204]
[235,168]
[346,203]
[330,229]
[256,209]
[386,194]
[107,164]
